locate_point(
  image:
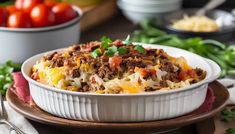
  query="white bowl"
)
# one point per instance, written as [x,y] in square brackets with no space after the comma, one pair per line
[150,2]
[138,13]
[149,8]
[124,107]
[18,44]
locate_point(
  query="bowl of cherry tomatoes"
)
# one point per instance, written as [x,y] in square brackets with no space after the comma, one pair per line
[33,26]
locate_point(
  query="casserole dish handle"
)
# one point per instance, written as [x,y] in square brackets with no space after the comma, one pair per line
[215,70]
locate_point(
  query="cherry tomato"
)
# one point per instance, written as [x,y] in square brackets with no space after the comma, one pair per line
[50,3]
[3,16]
[18,20]
[27,5]
[63,12]
[19,4]
[11,9]
[42,16]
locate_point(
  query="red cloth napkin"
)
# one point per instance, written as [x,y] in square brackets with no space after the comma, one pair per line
[207,104]
[21,87]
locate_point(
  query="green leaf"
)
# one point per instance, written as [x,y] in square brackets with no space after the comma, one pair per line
[230,131]
[122,50]
[111,51]
[106,39]
[5,75]
[105,42]
[16,67]
[140,49]
[215,43]
[227,115]
[127,40]
[96,53]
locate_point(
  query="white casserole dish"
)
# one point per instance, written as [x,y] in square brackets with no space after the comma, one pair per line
[124,107]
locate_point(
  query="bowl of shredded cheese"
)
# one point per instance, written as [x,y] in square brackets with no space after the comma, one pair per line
[215,24]
[196,24]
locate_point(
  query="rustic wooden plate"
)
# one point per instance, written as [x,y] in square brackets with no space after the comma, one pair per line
[36,114]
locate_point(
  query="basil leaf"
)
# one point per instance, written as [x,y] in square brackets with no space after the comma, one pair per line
[140,49]
[127,40]
[111,51]
[122,50]
[96,53]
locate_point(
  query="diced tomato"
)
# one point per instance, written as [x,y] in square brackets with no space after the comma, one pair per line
[147,72]
[143,72]
[182,75]
[191,73]
[115,61]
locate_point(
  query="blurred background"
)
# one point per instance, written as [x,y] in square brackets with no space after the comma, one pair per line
[186,3]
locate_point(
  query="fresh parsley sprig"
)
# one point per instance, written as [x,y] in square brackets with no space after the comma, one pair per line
[5,75]
[122,50]
[96,53]
[230,131]
[127,41]
[110,50]
[105,42]
[140,49]
[228,115]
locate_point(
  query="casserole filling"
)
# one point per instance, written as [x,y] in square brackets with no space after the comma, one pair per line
[114,67]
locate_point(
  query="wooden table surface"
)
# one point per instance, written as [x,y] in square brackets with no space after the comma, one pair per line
[118,28]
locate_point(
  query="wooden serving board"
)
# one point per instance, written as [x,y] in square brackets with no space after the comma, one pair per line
[94,15]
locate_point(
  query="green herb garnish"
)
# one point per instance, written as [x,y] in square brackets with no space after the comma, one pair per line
[140,49]
[111,51]
[96,53]
[228,115]
[127,40]
[230,131]
[5,75]
[122,50]
[105,42]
